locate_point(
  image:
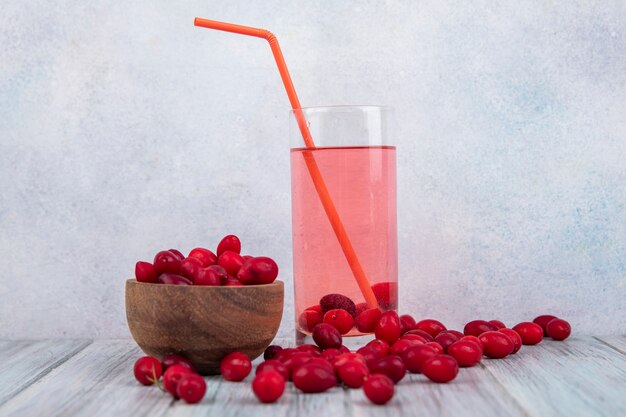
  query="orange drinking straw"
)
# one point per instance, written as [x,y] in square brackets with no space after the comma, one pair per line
[314,171]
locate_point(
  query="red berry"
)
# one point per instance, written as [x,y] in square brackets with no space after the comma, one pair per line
[403,344]
[369,354]
[191,388]
[335,301]
[446,338]
[326,336]
[454,332]
[361,307]
[378,389]
[190,268]
[268,386]
[515,338]
[330,354]
[392,366]
[498,324]
[205,256]
[415,357]
[353,373]
[386,294]
[145,272]
[259,270]
[221,273]
[208,276]
[478,327]
[496,345]
[388,327]
[229,243]
[308,319]
[414,337]
[166,261]
[345,357]
[476,341]
[465,352]
[435,346]
[271,351]
[408,321]
[147,370]
[177,253]
[543,322]
[173,279]
[559,329]
[339,319]
[367,320]
[235,366]
[313,378]
[232,282]
[231,262]
[430,326]
[296,360]
[273,365]
[323,363]
[531,333]
[173,359]
[379,346]
[440,368]
[172,377]
[421,333]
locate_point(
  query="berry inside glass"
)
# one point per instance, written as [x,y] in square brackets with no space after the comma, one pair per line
[359,172]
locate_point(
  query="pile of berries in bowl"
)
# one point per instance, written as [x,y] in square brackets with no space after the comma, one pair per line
[402,345]
[205,305]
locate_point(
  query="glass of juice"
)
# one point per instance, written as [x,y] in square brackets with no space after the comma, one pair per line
[358,167]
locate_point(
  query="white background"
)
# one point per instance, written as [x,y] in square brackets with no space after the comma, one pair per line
[125,130]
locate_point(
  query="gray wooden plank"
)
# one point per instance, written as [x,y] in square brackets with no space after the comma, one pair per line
[24,362]
[474,392]
[577,377]
[616,342]
[97,381]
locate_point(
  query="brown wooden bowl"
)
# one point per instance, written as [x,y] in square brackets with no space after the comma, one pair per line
[203,323]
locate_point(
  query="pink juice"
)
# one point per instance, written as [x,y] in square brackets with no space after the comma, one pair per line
[362,183]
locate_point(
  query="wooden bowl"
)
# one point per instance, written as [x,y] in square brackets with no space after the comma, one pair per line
[203,323]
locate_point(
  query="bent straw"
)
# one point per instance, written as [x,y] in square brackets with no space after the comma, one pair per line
[314,171]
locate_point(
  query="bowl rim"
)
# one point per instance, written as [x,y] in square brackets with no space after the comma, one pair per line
[133,281]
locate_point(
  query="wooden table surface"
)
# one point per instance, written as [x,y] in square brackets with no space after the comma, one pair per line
[583,376]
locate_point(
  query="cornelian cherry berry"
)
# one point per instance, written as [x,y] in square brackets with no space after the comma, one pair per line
[172,377]
[145,272]
[392,366]
[558,329]
[446,338]
[430,326]
[268,386]
[229,243]
[173,279]
[231,262]
[531,333]
[313,378]
[378,389]
[207,276]
[235,366]
[543,322]
[190,267]
[476,341]
[232,282]
[435,346]
[296,360]
[478,327]
[312,349]
[353,373]
[339,319]
[334,301]
[326,336]
[205,256]
[408,322]
[498,324]
[496,345]
[166,261]
[440,368]
[273,365]
[388,327]
[415,357]
[177,253]
[191,388]
[330,354]
[308,319]
[465,352]
[147,370]
[367,320]
[258,270]
[414,337]
[403,344]
[421,333]
[515,338]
